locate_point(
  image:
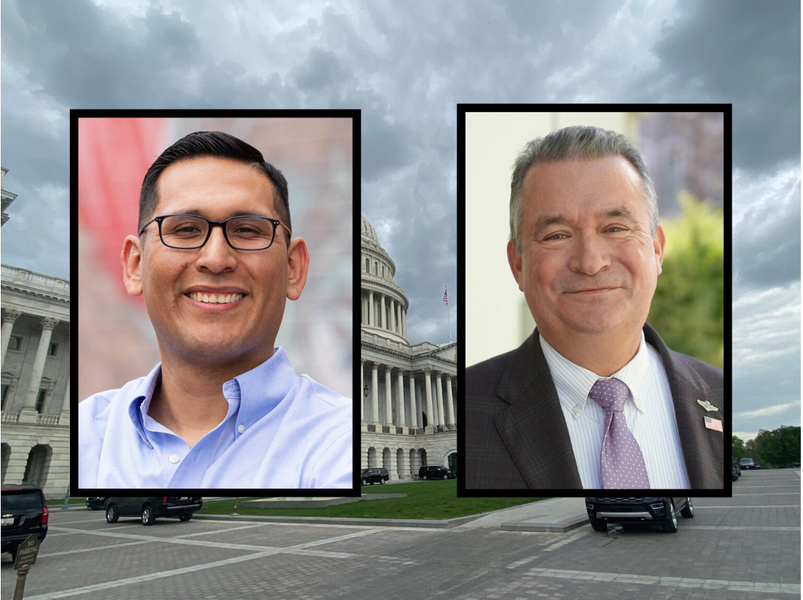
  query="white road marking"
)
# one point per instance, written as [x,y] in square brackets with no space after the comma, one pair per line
[214,531]
[697,507]
[766,487]
[549,548]
[524,561]
[568,540]
[768,494]
[740,528]
[93,549]
[150,577]
[684,582]
[264,552]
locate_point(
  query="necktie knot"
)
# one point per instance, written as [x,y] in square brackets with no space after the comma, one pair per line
[610,394]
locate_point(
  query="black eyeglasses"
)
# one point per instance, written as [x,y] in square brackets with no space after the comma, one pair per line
[189,232]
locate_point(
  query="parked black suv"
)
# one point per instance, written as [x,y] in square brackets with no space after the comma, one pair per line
[662,511]
[97,502]
[372,476]
[24,512]
[435,472]
[149,509]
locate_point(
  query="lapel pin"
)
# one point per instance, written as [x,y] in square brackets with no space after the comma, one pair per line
[714,424]
[707,405]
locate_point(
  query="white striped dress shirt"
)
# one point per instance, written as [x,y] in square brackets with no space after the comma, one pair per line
[649,411]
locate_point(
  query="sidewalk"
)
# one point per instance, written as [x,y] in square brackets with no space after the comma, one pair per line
[554,515]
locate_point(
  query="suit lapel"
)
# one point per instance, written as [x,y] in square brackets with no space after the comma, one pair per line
[702,447]
[533,428]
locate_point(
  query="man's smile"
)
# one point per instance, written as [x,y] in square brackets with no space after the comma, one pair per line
[221,298]
[215,299]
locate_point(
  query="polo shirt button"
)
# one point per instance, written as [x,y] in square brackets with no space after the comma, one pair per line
[173,458]
[241,428]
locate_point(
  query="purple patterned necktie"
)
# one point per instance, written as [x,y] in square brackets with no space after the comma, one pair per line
[621,461]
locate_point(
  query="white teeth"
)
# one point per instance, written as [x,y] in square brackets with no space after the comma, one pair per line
[213,299]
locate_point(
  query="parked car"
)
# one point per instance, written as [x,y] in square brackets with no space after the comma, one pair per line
[372,476]
[435,472]
[662,511]
[97,502]
[149,509]
[24,512]
[747,464]
[736,471]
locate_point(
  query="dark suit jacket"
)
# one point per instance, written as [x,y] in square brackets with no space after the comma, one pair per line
[516,434]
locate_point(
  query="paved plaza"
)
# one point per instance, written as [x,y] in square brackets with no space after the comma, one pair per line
[743,547]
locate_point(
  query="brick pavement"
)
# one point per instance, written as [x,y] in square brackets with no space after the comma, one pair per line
[726,551]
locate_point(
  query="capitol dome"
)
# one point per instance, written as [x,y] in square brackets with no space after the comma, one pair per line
[368,232]
[384,304]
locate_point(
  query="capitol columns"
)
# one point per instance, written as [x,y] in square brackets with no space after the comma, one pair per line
[362,394]
[450,401]
[413,410]
[28,412]
[400,401]
[439,385]
[388,397]
[375,392]
[371,319]
[64,419]
[428,385]
[9,318]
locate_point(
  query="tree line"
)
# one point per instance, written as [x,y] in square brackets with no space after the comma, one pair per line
[774,449]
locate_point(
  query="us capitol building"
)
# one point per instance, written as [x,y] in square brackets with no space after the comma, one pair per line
[35,377]
[408,408]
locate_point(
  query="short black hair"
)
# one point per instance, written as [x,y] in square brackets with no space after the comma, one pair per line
[219,145]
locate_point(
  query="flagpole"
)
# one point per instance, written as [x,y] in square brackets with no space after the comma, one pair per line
[448,316]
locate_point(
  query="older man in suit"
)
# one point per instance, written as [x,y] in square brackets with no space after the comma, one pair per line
[594,398]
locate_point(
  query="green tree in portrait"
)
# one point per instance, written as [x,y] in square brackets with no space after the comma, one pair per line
[688,309]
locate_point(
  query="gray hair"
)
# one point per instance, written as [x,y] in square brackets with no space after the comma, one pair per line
[572,143]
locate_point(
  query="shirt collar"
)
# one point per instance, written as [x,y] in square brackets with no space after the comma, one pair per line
[574,382]
[255,393]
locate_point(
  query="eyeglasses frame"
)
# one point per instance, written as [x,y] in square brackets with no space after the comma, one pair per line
[213,224]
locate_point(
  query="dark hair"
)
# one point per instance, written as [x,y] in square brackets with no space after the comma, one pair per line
[220,145]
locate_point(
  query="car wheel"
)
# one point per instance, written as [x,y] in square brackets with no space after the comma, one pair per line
[13,551]
[184,517]
[111,514]
[598,525]
[382,481]
[424,478]
[364,482]
[147,515]
[688,511]
[446,477]
[671,524]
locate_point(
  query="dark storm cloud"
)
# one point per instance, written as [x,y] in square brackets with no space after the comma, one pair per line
[745,53]
[87,57]
[766,241]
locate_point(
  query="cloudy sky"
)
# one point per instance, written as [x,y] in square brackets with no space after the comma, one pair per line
[406,69]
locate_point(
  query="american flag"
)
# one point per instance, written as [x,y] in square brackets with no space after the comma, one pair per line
[445,297]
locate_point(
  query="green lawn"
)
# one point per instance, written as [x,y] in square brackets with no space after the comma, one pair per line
[426,500]
[60,501]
